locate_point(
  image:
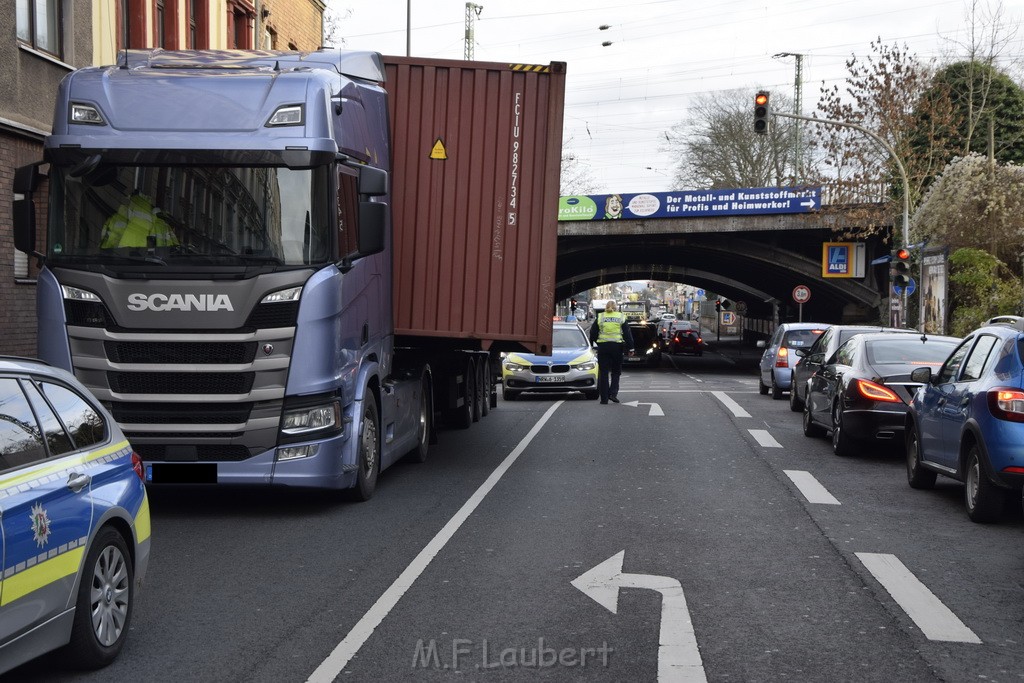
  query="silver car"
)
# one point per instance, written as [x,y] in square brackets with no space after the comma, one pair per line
[779,357]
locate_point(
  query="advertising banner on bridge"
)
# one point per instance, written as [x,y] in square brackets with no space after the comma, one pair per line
[934,286]
[690,203]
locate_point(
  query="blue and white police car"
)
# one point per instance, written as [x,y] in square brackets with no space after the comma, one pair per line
[572,366]
[74,517]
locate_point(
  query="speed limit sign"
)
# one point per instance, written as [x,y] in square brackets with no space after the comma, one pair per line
[801,294]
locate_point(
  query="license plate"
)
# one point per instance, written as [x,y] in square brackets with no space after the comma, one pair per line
[184,473]
[550,378]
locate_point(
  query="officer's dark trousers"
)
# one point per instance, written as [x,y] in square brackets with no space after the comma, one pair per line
[609,367]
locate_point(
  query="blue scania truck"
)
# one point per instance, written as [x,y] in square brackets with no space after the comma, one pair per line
[288,268]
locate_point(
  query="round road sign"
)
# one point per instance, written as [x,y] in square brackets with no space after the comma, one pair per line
[801,294]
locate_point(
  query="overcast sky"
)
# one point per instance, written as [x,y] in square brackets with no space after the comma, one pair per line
[622,98]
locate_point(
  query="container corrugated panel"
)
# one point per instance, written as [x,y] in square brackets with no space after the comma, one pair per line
[476,162]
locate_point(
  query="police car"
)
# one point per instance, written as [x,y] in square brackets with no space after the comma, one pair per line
[75,520]
[572,366]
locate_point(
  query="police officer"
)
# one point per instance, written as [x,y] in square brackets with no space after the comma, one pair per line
[612,334]
[137,223]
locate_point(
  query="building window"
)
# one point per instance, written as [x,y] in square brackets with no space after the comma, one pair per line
[40,25]
[270,39]
[131,24]
[241,19]
[198,25]
[161,25]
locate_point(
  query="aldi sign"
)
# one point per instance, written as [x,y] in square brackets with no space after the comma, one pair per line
[842,259]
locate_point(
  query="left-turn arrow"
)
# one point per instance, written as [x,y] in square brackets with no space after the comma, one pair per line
[678,656]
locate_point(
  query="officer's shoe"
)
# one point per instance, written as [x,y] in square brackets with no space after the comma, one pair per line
[613,399]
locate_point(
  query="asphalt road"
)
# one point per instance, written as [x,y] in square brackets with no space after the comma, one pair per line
[257,585]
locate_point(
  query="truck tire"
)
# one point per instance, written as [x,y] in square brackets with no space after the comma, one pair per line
[369,452]
[478,389]
[487,386]
[426,424]
[464,413]
[103,609]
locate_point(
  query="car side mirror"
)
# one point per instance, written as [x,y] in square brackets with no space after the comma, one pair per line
[921,375]
[800,352]
[760,343]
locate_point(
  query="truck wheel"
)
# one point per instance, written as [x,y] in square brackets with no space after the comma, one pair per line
[487,388]
[369,452]
[103,610]
[464,414]
[478,393]
[422,448]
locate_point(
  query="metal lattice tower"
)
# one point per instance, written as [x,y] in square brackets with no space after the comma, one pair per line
[472,13]
[798,98]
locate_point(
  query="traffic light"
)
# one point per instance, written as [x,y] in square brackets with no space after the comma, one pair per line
[762,110]
[718,305]
[899,271]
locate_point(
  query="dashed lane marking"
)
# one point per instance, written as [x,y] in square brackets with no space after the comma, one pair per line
[811,488]
[763,438]
[935,620]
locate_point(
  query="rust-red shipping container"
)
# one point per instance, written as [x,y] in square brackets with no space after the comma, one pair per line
[477,154]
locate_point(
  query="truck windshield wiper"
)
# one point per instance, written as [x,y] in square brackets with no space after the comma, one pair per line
[113,257]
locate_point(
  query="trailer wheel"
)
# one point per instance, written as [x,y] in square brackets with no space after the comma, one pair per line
[422,448]
[369,452]
[487,386]
[464,413]
[478,390]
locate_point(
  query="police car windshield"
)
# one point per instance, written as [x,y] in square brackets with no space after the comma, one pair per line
[191,214]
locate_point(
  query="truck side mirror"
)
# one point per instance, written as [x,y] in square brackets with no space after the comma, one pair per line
[372,220]
[373,181]
[23,209]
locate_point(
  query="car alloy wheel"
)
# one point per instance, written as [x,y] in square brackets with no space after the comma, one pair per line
[841,445]
[917,476]
[983,499]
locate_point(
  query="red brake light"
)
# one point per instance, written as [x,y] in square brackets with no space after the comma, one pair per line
[1006,404]
[877,392]
[782,358]
[1014,470]
[137,466]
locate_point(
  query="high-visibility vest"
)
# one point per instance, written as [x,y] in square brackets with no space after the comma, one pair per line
[134,223]
[609,327]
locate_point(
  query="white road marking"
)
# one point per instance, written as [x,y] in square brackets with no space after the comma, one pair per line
[736,408]
[935,620]
[331,667]
[811,488]
[679,658]
[763,438]
[695,379]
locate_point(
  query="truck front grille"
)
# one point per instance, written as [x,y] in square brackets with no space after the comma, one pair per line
[180,413]
[181,353]
[180,382]
[204,452]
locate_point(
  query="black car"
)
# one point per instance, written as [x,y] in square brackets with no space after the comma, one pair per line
[861,393]
[646,344]
[813,357]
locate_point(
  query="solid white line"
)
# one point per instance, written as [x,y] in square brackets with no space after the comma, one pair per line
[331,667]
[736,408]
[935,620]
[812,489]
[763,438]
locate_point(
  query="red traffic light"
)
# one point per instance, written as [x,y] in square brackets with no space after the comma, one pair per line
[761,99]
[902,254]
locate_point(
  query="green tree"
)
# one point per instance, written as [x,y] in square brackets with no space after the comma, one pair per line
[980,287]
[979,94]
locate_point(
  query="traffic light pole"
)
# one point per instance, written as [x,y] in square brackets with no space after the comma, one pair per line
[900,319]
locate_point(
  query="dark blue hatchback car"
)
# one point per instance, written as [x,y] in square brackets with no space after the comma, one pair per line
[967,421]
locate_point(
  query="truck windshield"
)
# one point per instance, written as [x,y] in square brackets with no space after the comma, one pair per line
[157,216]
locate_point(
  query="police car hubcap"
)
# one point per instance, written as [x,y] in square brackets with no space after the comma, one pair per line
[109,596]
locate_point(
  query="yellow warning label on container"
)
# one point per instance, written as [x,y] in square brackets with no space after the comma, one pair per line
[438,151]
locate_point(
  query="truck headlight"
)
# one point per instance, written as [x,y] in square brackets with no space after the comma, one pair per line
[312,419]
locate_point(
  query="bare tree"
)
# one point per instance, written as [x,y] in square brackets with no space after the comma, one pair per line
[334,20]
[576,178]
[716,147]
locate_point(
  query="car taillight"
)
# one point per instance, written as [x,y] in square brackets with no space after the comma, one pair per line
[1006,404]
[137,466]
[782,358]
[876,392]
[700,340]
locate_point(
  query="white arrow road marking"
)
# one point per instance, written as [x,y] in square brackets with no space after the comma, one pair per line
[736,408]
[935,620]
[332,667]
[763,438]
[655,411]
[812,489]
[678,656]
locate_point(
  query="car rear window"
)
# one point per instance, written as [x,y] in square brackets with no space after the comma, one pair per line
[909,351]
[801,338]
